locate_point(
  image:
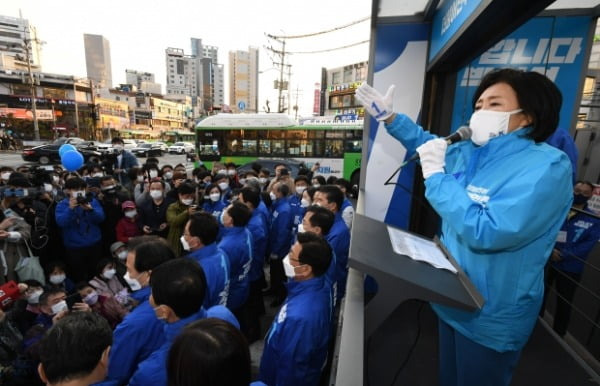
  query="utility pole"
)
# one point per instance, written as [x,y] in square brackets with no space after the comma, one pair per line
[281,83]
[36,128]
[279,99]
[95,112]
[296,104]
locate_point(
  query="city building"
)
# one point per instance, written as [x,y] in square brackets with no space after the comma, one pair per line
[97,59]
[143,81]
[243,80]
[18,43]
[338,90]
[181,73]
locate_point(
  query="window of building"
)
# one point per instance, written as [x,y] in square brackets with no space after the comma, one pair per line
[348,75]
[336,77]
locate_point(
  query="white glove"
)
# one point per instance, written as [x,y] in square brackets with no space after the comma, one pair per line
[378,106]
[433,156]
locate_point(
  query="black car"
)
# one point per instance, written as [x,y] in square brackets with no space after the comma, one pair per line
[292,165]
[148,150]
[48,154]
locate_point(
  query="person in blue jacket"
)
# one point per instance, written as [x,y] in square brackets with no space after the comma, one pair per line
[213,205]
[502,198]
[255,305]
[177,296]
[79,216]
[301,184]
[280,238]
[296,344]
[331,197]
[237,244]
[140,333]
[124,161]
[576,239]
[199,238]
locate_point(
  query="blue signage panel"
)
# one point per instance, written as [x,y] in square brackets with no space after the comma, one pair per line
[554,46]
[241,105]
[447,20]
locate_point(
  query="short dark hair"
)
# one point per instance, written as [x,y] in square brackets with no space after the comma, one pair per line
[117,140]
[52,265]
[320,179]
[283,188]
[75,183]
[179,284]
[333,194]
[82,284]
[251,195]
[585,182]
[50,292]
[186,188]
[537,96]
[157,181]
[106,178]
[265,171]
[103,263]
[321,217]
[209,352]
[240,214]
[204,226]
[150,252]
[72,348]
[303,179]
[345,183]
[315,252]
[311,192]
[331,180]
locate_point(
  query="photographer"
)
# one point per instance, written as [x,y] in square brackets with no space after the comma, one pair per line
[123,161]
[80,216]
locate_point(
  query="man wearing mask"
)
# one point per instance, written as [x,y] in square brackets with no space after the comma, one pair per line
[301,183]
[111,197]
[124,161]
[178,213]
[280,238]
[222,180]
[140,333]
[199,238]
[79,217]
[177,289]
[331,197]
[576,239]
[153,212]
[296,344]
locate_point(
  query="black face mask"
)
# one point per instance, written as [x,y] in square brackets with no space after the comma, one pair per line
[580,199]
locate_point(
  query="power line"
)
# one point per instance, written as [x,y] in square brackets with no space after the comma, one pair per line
[320,32]
[328,49]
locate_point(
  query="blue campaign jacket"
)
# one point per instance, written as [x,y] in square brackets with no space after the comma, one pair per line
[561,139]
[237,244]
[215,264]
[214,208]
[339,240]
[264,211]
[134,339]
[296,345]
[127,162]
[259,230]
[583,233]
[501,207]
[280,236]
[153,371]
[297,210]
[80,228]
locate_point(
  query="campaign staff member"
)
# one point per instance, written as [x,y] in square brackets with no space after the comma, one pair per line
[502,198]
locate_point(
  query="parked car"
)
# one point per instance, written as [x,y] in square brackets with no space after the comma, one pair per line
[48,154]
[70,140]
[163,146]
[147,150]
[269,164]
[181,148]
[129,144]
[98,146]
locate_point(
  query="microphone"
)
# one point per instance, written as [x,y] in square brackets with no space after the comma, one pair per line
[463,133]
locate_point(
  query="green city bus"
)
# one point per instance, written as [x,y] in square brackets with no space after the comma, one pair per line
[242,138]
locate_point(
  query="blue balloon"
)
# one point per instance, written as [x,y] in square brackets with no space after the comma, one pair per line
[72,160]
[65,148]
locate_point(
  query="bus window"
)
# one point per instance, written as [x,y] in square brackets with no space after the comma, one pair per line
[316,133]
[240,142]
[354,146]
[334,148]
[300,148]
[268,147]
[334,134]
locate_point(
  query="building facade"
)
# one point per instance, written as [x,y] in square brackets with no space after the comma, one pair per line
[243,80]
[18,43]
[339,88]
[97,59]
[181,73]
[143,81]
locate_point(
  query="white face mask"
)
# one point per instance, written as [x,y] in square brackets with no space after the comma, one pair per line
[5,176]
[55,179]
[134,284]
[118,147]
[156,194]
[316,185]
[91,298]
[488,124]
[153,174]
[231,172]
[57,279]
[262,180]
[242,181]
[122,255]
[48,188]
[140,178]
[301,228]
[188,201]
[214,197]
[273,196]
[109,273]
[184,243]
[131,213]
[288,267]
[304,203]
[168,175]
[34,298]
[300,189]
[221,171]
[59,307]
[223,185]
[100,174]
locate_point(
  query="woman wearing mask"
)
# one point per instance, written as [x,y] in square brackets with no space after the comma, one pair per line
[14,234]
[104,305]
[128,226]
[106,282]
[502,197]
[57,278]
[212,201]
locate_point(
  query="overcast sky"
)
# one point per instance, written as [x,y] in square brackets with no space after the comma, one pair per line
[140,31]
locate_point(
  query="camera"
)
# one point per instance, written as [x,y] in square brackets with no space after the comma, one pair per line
[84,199]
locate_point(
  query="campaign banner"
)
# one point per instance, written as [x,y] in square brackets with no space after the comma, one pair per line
[400,58]
[594,202]
[553,46]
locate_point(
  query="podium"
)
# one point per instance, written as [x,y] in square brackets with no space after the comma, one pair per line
[401,278]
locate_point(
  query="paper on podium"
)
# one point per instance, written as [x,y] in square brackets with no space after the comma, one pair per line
[418,248]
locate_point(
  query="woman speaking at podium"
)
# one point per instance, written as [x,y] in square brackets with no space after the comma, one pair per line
[502,197]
